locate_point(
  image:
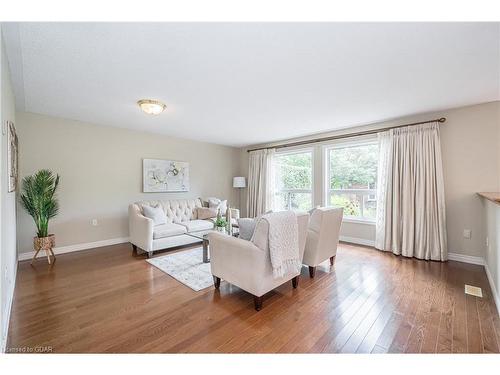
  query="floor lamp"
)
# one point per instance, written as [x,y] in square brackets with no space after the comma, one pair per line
[239,183]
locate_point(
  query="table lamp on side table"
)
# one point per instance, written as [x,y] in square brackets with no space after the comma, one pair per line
[239,183]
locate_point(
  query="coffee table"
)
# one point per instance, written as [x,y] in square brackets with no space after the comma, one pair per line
[203,236]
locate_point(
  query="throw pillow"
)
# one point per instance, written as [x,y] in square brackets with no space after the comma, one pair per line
[218,204]
[156,214]
[204,213]
[246,228]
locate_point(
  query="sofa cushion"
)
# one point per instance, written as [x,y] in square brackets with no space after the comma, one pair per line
[156,214]
[197,225]
[168,230]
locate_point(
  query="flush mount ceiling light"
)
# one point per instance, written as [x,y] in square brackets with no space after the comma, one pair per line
[151,107]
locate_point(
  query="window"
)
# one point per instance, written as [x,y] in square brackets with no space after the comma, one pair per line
[352,179]
[293,181]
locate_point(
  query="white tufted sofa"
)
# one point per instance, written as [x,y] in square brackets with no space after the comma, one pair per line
[181,219]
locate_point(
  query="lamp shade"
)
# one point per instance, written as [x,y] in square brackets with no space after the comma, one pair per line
[239,182]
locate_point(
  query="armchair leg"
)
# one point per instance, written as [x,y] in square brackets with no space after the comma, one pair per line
[331,260]
[150,254]
[312,271]
[216,282]
[257,302]
[134,248]
[295,282]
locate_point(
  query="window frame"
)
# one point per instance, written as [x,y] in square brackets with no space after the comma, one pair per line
[294,151]
[326,172]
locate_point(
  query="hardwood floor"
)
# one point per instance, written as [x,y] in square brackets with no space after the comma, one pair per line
[109,300]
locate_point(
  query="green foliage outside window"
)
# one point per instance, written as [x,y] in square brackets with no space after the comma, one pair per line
[351,207]
[354,167]
[294,171]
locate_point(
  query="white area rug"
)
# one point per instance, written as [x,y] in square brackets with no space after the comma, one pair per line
[186,267]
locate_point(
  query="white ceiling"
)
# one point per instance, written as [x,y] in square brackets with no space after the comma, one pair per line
[246,83]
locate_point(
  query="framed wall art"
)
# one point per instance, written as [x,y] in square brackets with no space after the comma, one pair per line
[12,156]
[165,176]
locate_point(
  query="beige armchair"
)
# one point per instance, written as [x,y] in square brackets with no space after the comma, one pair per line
[322,237]
[247,264]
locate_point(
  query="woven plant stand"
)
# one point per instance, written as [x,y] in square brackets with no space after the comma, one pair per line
[46,244]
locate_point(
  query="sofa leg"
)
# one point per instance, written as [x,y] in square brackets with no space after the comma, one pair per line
[217,282]
[312,271]
[134,248]
[257,302]
[295,282]
[331,260]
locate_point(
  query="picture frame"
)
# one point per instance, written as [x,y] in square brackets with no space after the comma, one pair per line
[12,157]
[165,176]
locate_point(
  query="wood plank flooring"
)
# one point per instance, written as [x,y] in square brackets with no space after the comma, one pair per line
[111,300]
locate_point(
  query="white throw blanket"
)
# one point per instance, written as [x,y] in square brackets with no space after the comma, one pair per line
[283,243]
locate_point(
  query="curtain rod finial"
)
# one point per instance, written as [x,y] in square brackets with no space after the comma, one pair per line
[442,119]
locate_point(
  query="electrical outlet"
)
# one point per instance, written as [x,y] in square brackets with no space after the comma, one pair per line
[94,222]
[467,234]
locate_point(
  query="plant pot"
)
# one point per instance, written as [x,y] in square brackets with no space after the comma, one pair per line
[46,244]
[220,229]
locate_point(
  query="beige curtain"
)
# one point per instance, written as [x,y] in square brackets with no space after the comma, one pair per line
[410,193]
[260,182]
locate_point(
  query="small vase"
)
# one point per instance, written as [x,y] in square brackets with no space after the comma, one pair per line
[46,244]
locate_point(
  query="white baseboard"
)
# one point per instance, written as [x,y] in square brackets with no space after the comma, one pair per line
[466,259]
[9,309]
[494,290]
[78,247]
[357,241]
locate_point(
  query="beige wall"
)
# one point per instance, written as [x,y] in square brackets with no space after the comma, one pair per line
[469,140]
[101,173]
[469,145]
[8,258]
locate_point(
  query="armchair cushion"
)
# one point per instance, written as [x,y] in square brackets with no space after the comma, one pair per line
[168,230]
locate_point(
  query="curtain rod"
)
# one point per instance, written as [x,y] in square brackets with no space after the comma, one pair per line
[348,135]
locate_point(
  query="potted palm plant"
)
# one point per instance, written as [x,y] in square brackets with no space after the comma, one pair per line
[39,200]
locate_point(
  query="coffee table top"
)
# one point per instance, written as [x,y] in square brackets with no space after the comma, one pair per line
[203,235]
